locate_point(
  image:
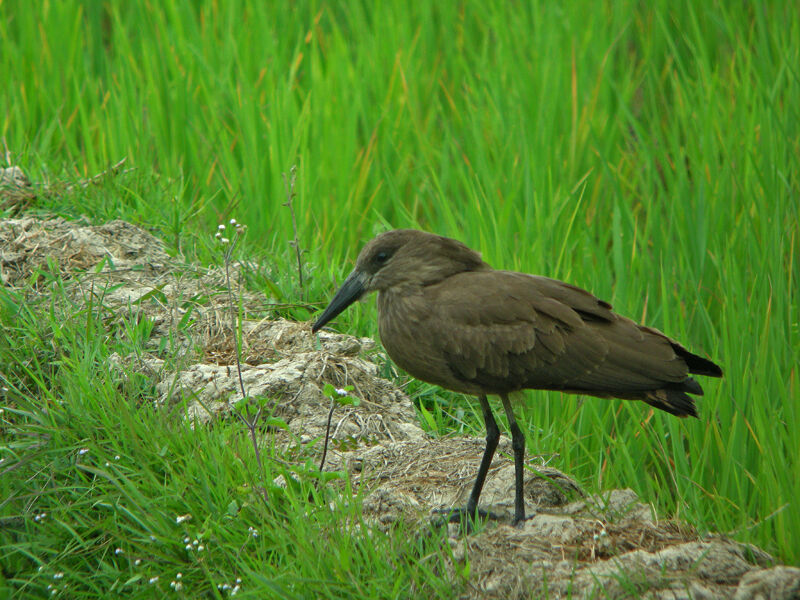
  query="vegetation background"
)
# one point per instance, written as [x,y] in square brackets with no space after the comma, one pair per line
[649,152]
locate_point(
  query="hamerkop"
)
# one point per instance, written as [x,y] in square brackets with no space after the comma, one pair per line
[450,319]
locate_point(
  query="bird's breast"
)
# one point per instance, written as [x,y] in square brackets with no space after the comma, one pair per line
[413,339]
[401,323]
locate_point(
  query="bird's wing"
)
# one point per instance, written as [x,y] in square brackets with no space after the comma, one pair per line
[503,331]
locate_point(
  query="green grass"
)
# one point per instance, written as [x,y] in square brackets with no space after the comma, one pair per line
[98,482]
[648,152]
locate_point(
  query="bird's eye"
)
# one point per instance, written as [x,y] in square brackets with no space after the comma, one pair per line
[381,257]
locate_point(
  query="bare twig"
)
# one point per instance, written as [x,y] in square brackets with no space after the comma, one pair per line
[775,512]
[290,195]
[18,192]
[230,244]
[251,424]
[234,314]
[327,435]
[112,170]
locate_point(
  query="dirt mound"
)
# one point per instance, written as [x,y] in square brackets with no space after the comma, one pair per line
[293,385]
[573,545]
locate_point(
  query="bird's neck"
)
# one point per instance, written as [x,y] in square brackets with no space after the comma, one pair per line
[405,299]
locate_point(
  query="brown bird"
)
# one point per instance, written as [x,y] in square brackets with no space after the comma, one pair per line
[448,318]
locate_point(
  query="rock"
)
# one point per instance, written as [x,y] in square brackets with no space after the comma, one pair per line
[777,583]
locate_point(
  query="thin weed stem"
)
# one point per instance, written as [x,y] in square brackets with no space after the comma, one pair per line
[251,424]
[290,194]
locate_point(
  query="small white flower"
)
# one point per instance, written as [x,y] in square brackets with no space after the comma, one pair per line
[179,575]
[152,538]
[83,451]
[188,547]
[116,457]
[59,575]
[224,240]
[221,227]
[137,562]
[152,580]
[195,542]
[108,464]
[181,518]
[232,221]
[341,391]
[238,580]
[200,548]
[186,540]
[235,590]
[118,551]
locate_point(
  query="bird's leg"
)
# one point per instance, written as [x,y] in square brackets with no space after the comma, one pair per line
[518,444]
[492,439]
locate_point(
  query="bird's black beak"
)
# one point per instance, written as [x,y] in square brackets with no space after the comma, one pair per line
[352,289]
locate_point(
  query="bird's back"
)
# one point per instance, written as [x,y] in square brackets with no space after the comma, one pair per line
[491,331]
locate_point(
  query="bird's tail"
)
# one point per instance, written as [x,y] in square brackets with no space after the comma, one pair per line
[697,364]
[675,399]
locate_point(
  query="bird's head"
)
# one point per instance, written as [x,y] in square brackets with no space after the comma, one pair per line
[403,257]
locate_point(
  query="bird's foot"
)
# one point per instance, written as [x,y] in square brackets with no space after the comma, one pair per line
[519,522]
[464,516]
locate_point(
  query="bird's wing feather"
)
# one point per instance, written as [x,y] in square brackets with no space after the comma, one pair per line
[503,330]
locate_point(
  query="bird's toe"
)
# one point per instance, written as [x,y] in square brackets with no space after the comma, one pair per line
[463,516]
